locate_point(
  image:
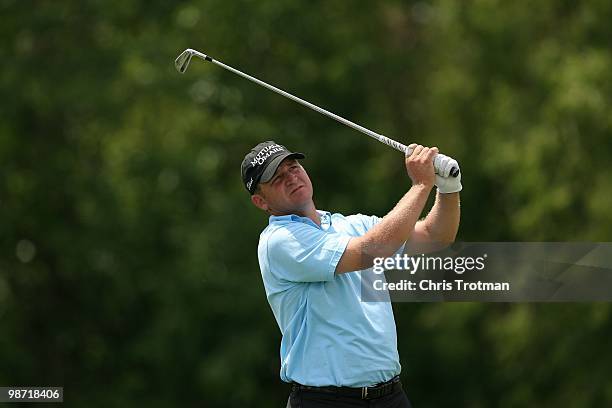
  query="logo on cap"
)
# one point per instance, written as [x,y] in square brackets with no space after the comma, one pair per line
[263,155]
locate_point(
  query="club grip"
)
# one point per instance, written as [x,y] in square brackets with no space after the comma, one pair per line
[439,162]
[441,166]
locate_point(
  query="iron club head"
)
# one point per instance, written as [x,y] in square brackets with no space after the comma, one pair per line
[182,61]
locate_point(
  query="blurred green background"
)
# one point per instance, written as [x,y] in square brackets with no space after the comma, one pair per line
[128,268]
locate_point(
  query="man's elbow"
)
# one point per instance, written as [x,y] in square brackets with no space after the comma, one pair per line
[429,239]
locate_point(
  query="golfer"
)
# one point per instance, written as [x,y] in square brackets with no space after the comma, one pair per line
[336,350]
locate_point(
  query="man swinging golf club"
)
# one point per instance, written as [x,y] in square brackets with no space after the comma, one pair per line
[335,349]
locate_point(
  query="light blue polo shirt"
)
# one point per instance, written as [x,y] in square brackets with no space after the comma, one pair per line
[330,337]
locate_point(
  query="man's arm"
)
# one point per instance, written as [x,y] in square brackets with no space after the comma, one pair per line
[442,222]
[385,238]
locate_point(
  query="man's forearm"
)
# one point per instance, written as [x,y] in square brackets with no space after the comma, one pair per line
[442,222]
[386,237]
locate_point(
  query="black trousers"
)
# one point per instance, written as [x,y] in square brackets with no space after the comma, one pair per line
[315,399]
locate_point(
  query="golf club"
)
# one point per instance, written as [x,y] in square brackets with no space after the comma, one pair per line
[183,60]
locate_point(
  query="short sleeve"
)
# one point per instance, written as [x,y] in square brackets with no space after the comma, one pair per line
[304,253]
[366,221]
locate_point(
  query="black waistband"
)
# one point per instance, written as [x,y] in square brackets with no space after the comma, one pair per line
[375,391]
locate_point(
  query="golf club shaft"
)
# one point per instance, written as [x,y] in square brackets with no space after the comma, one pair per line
[383,139]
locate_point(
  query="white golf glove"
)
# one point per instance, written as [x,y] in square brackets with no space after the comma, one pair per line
[444,181]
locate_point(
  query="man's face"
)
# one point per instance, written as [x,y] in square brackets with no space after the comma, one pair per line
[288,192]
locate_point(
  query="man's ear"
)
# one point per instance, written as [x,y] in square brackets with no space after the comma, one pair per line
[259,201]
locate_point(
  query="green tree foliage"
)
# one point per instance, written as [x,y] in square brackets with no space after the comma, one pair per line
[128,271]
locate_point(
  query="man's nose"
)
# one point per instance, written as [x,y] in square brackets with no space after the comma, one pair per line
[291,178]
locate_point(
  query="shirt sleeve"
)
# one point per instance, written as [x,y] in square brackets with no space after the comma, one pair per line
[366,221]
[303,253]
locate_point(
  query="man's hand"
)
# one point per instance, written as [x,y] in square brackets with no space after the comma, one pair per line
[420,165]
[445,183]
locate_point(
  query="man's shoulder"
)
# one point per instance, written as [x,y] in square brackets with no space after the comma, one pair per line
[280,231]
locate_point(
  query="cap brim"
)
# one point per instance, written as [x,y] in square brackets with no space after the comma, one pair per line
[271,168]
